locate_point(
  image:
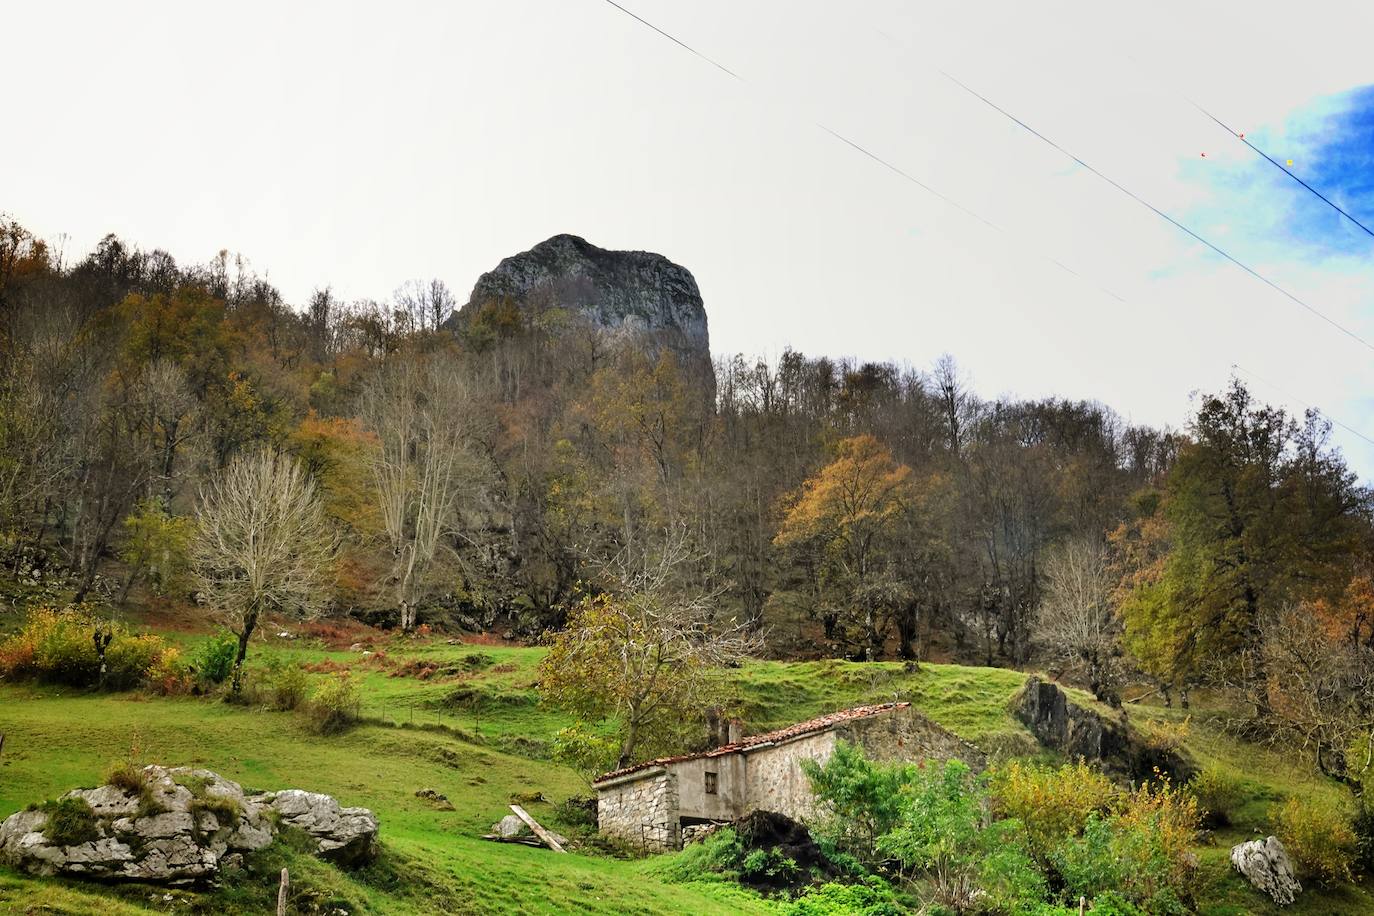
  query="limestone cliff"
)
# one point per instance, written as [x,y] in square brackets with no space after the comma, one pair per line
[631,296]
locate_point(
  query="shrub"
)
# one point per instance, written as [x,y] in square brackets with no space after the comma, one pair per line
[169,674]
[71,822]
[129,659]
[585,750]
[1319,838]
[333,703]
[213,660]
[860,801]
[1052,804]
[873,898]
[719,854]
[287,684]
[54,645]
[1218,795]
[942,835]
[1142,852]
[59,646]
[769,864]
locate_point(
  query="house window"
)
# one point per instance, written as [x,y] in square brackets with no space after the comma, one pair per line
[710,783]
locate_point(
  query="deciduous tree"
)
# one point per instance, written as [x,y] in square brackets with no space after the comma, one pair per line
[262,546]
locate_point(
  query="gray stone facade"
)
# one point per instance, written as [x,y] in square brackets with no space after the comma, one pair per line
[646,806]
[642,811]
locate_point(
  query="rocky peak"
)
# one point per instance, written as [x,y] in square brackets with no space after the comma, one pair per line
[633,296]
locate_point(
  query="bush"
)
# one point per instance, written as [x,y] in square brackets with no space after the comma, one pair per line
[287,685]
[1143,852]
[942,836]
[58,646]
[169,675]
[129,659]
[213,660]
[54,645]
[71,822]
[860,801]
[333,703]
[1052,804]
[719,854]
[585,750]
[873,898]
[1319,838]
[1218,795]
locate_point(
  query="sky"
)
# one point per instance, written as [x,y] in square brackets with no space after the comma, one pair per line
[359,145]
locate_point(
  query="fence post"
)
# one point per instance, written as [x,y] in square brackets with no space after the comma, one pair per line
[1082,905]
[281,893]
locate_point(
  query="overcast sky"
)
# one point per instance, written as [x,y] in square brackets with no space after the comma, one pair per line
[359,145]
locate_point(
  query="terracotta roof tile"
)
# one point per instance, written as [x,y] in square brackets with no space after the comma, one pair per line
[818,724]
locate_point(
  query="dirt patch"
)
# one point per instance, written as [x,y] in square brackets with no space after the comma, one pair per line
[341,633]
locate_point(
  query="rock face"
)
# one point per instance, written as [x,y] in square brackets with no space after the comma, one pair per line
[1265,864]
[630,296]
[1065,726]
[179,829]
[1078,731]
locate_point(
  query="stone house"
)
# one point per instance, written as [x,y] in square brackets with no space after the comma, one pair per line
[649,804]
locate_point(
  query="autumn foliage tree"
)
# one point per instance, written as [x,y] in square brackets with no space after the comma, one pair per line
[841,525]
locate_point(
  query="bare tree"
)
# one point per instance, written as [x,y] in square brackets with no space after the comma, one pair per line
[423,463]
[262,545]
[1076,622]
[425,305]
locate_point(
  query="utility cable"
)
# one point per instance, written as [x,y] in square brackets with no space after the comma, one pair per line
[1160,213]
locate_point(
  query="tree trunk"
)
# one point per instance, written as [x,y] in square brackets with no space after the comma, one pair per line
[250,621]
[627,748]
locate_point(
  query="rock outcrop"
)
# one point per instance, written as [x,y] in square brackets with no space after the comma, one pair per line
[1078,731]
[177,829]
[1265,864]
[632,296]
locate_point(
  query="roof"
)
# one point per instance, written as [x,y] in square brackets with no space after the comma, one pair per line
[810,726]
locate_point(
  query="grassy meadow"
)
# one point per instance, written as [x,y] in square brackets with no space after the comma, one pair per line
[464,719]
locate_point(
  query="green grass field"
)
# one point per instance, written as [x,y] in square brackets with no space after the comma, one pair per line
[474,730]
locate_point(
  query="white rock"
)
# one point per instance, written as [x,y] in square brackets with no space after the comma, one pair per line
[1266,865]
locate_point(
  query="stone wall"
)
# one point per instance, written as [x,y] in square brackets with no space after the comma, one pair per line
[643,811]
[725,804]
[776,780]
[904,735]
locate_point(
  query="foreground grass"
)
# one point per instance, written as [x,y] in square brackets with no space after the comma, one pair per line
[481,738]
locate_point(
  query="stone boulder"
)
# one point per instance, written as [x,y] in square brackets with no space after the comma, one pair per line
[176,829]
[510,827]
[345,836]
[1266,865]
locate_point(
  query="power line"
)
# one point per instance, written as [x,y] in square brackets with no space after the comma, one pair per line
[1350,429]
[1276,164]
[1160,213]
[876,158]
[714,63]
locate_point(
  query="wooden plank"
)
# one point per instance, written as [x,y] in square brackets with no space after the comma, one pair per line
[538,831]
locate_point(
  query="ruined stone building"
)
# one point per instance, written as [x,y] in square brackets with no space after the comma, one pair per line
[648,804]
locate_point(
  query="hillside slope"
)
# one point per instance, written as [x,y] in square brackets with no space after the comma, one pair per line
[472,729]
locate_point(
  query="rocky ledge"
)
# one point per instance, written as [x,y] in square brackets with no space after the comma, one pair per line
[177,827]
[1103,738]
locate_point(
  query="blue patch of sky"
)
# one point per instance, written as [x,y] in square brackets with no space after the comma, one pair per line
[1331,143]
